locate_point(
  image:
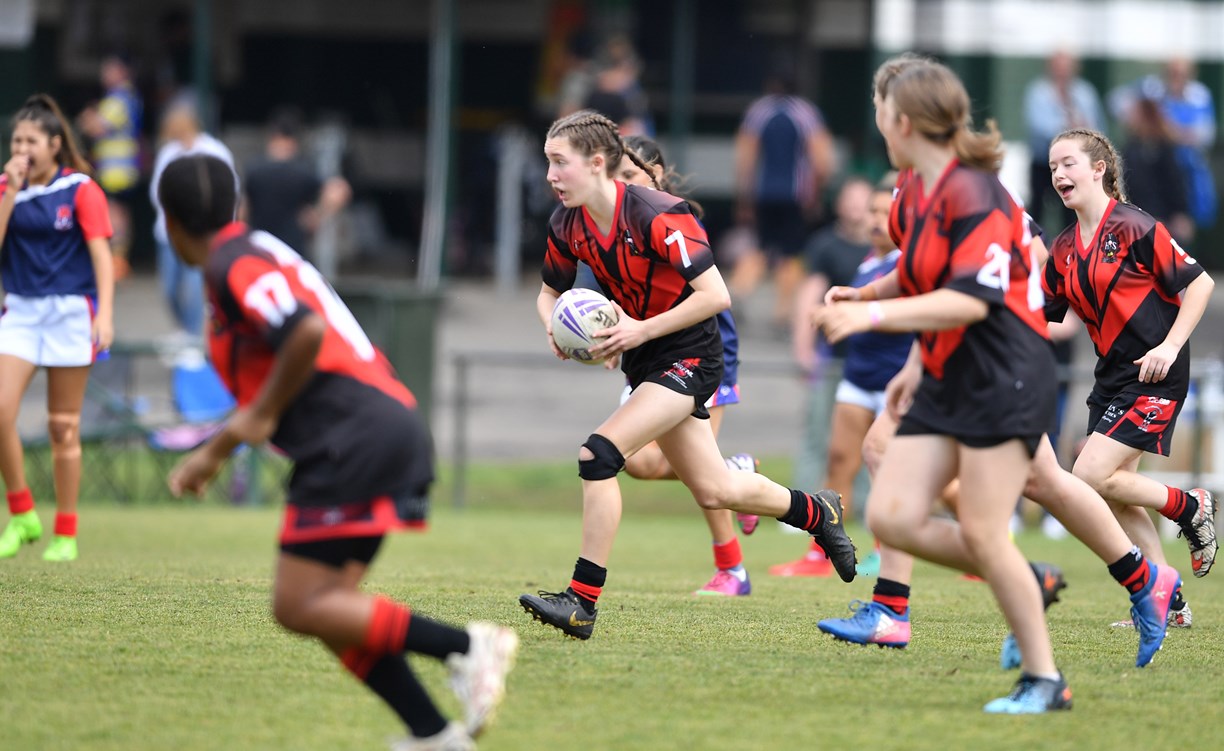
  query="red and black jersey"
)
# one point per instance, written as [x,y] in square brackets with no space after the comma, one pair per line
[1125,286]
[900,207]
[655,247]
[994,377]
[352,428]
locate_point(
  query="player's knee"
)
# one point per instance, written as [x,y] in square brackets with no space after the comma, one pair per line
[599,459]
[290,614]
[63,431]
[1090,472]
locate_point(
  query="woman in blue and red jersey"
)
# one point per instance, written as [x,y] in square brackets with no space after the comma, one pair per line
[970,287]
[1140,296]
[55,263]
[652,257]
[307,379]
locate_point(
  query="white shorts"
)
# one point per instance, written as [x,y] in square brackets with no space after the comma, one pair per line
[848,393]
[53,331]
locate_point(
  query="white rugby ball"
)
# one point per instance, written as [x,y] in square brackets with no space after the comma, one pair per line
[576,314]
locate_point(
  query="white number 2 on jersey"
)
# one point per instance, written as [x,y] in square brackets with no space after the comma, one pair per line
[678,237]
[996,272]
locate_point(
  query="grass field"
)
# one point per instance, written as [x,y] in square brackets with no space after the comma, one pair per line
[160,638]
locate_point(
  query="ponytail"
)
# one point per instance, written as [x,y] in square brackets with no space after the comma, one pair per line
[647,149]
[935,101]
[42,110]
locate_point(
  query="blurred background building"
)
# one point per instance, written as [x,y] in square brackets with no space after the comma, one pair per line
[358,73]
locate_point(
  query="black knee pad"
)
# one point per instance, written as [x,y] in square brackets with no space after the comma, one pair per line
[607,462]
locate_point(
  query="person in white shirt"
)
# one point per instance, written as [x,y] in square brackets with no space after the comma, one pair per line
[181,135]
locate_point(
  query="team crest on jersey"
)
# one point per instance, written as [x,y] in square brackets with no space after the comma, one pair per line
[1110,249]
[63,217]
[628,238]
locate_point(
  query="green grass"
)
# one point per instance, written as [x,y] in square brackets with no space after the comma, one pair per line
[160,638]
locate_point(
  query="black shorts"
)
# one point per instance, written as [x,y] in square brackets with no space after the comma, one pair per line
[697,377]
[910,426]
[1141,422]
[336,553]
[781,229]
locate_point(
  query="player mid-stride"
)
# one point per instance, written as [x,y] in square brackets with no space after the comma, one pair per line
[307,379]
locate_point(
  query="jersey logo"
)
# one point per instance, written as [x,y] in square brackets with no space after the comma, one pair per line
[63,217]
[1110,249]
[628,239]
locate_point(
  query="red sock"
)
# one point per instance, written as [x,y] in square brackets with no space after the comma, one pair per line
[20,501]
[586,591]
[897,604]
[728,554]
[65,525]
[358,661]
[1175,505]
[387,628]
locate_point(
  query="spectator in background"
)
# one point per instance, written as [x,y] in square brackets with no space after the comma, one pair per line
[832,259]
[1057,101]
[1189,107]
[783,159]
[617,92]
[113,126]
[183,286]
[284,194]
[1152,172]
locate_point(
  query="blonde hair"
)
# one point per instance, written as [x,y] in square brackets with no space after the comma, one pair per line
[935,101]
[591,133]
[881,83]
[1099,149]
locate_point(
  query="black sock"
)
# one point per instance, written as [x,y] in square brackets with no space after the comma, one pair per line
[892,594]
[395,684]
[589,579]
[429,637]
[804,512]
[1186,517]
[1131,571]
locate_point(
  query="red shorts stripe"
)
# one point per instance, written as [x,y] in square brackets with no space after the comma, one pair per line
[372,518]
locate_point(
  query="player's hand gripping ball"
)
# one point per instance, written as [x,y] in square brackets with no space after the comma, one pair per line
[576,314]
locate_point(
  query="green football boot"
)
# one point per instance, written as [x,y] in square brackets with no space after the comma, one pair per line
[22,529]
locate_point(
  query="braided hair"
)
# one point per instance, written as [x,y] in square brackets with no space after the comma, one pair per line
[42,110]
[591,133]
[670,181]
[1100,149]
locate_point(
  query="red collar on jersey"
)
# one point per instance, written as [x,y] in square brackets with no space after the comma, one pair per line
[227,233]
[605,241]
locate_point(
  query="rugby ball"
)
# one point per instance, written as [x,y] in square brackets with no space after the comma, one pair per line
[576,314]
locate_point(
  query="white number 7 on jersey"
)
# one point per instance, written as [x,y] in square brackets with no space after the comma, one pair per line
[677,237]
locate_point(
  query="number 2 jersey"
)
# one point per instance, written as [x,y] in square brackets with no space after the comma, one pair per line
[655,247]
[995,377]
[353,431]
[1125,287]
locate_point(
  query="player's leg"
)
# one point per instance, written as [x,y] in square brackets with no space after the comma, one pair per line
[692,451]
[850,425]
[650,411]
[317,593]
[65,398]
[730,576]
[991,480]
[23,526]
[1109,466]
